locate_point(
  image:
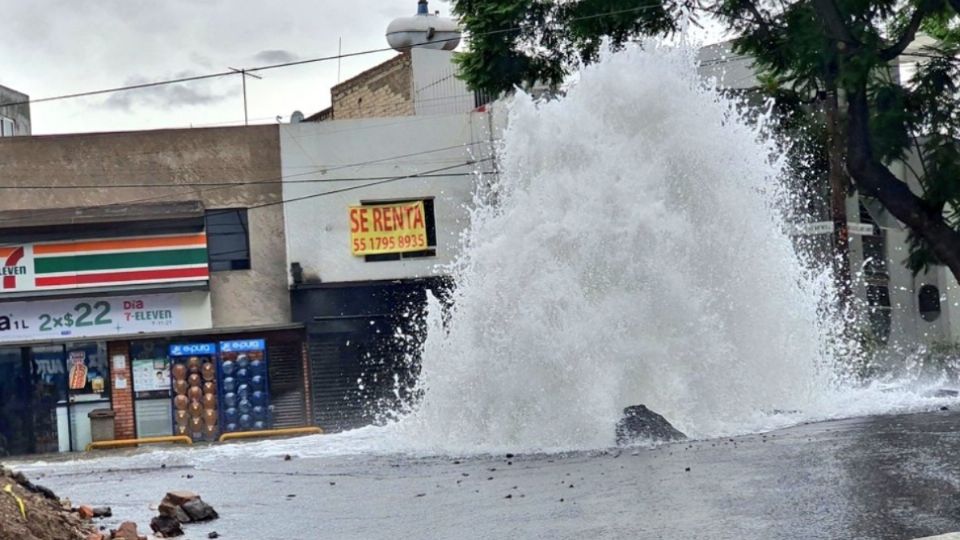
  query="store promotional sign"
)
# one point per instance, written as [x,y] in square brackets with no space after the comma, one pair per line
[193,349]
[103,316]
[388,228]
[243,345]
[102,263]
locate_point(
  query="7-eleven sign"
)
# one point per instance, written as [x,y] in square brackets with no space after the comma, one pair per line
[16,273]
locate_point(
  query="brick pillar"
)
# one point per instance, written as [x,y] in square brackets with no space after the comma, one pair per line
[123,397]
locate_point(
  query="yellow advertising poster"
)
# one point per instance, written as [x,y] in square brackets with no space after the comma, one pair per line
[388,228]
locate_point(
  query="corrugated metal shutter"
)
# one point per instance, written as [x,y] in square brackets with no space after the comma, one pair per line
[286,384]
[333,379]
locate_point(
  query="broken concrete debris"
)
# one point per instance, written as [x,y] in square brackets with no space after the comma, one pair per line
[179,508]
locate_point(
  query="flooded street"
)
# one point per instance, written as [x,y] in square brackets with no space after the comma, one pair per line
[890,477]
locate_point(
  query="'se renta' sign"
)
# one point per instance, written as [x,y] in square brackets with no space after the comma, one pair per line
[387,228]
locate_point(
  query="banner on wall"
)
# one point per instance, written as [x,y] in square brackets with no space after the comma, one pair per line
[388,228]
[101,263]
[103,316]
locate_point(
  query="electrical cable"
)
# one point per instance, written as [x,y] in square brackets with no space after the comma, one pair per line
[241,72]
[215,212]
[55,212]
[313,169]
[229,184]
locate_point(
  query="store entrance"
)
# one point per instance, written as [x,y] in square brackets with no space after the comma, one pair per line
[48,398]
[16,435]
[47,393]
[32,383]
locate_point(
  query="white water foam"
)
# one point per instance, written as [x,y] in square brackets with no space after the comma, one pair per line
[635,254]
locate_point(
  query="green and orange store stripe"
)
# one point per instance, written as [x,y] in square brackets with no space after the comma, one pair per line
[116,261]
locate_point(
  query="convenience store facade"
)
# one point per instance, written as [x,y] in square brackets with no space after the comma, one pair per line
[50,387]
[118,250]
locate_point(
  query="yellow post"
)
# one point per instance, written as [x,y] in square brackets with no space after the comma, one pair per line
[121,443]
[282,432]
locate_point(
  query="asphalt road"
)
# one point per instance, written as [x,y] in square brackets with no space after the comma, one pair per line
[885,477]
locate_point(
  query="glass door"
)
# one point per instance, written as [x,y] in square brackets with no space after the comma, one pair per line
[88,375]
[48,399]
[151,388]
[16,431]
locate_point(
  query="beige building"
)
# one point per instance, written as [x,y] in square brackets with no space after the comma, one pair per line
[95,181]
[135,269]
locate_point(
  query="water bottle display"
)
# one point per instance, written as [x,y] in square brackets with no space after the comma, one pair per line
[243,382]
[194,380]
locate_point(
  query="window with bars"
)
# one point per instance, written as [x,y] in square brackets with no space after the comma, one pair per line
[880,312]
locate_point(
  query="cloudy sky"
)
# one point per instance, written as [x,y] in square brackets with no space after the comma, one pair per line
[56,47]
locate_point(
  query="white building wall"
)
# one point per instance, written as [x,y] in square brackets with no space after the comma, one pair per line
[351,154]
[436,88]
[732,71]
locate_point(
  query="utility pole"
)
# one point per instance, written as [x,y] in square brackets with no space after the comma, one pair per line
[838,193]
[243,75]
[339,56]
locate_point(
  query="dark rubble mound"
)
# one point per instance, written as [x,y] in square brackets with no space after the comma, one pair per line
[46,518]
[641,424]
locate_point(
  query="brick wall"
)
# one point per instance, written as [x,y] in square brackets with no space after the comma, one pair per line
[382,91]
[122,398]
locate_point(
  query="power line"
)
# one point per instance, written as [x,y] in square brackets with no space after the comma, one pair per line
[215,212]
[220,74]
[312,169]
[371,184]
[241,72]
[55,212]
[226,184]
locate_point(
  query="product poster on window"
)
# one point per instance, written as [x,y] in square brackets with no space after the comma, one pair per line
[151,375]
[88,369]
[104,316]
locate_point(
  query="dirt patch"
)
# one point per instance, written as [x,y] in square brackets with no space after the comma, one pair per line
[31,512]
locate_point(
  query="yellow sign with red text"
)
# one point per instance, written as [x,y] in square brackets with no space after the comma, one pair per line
[388,228]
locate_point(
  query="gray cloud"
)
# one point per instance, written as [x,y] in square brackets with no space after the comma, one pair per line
[166,96]
[275,56]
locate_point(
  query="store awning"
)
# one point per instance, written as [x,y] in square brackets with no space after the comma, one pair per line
[40,224]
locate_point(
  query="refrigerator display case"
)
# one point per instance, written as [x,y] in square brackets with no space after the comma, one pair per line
[194,385]
[245,390]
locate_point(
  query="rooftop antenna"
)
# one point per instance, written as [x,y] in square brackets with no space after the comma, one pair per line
[243,75]
[339,56]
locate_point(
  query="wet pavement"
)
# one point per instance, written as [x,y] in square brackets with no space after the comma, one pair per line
[885,477]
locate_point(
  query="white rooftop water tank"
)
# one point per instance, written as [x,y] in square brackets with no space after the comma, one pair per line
[430,31]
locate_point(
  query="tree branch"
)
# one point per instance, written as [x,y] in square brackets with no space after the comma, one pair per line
[909,33]
[875,180]
[831,18]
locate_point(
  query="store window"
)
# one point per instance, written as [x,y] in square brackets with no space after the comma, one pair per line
[928,302]
[880,313]
[228,239]
[7,127]
[15,424]
[431,226]
[874,248]
[50,418]
[87,371]
[150,367]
